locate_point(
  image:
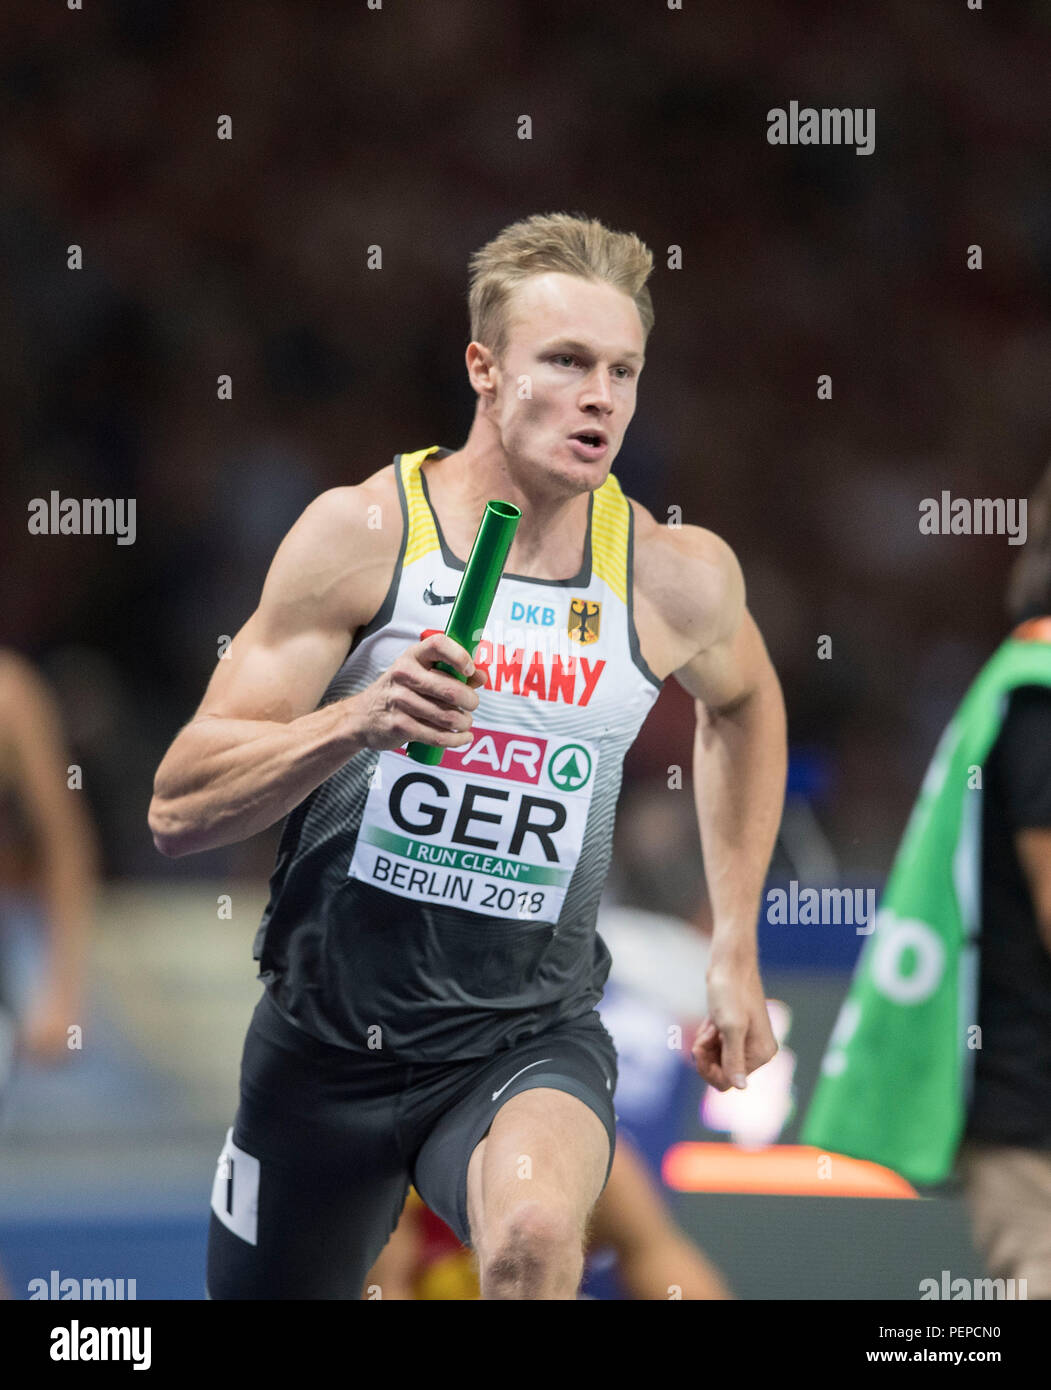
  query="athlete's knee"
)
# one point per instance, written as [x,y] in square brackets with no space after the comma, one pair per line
[536,1252]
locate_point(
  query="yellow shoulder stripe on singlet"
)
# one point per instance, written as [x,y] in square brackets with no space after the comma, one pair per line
[422,537]
[609,525]
[609,537]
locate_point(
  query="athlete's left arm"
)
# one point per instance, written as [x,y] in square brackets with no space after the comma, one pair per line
[739,769]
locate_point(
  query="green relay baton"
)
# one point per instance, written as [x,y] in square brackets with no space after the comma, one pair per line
[474,599]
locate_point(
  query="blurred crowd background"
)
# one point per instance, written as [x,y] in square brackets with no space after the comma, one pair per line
[397,127]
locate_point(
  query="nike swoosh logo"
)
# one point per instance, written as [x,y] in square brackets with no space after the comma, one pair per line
[519,1073]
[429,596]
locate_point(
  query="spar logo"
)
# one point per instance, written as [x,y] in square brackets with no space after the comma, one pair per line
[520,758]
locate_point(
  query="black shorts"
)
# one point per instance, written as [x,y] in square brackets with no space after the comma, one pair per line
[315,1172]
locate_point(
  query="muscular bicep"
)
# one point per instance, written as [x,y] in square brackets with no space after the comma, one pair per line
[730,669]
[691,614]
[270,674]
[327,579]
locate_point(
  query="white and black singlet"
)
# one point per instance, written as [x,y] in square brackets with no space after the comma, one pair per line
[453,907]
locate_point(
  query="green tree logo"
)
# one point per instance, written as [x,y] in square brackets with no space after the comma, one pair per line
[569,767]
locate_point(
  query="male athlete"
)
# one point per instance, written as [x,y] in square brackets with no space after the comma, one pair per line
[429,948]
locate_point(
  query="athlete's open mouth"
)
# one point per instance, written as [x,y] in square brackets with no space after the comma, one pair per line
[591,439]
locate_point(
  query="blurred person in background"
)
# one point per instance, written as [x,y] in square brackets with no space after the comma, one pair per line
[48,874]
[942,1051]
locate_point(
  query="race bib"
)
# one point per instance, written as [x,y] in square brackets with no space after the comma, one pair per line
[496,828]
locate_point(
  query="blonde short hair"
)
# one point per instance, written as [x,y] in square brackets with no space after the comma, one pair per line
[553,241]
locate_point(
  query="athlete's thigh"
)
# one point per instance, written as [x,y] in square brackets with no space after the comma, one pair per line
[577,1063]
[282,1232]
[544,1146]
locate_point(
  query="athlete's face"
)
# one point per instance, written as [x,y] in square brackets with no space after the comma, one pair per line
[570,369]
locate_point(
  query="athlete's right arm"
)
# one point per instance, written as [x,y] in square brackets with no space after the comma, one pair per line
[258,744]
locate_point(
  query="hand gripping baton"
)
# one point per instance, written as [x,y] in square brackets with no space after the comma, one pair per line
[474,599]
